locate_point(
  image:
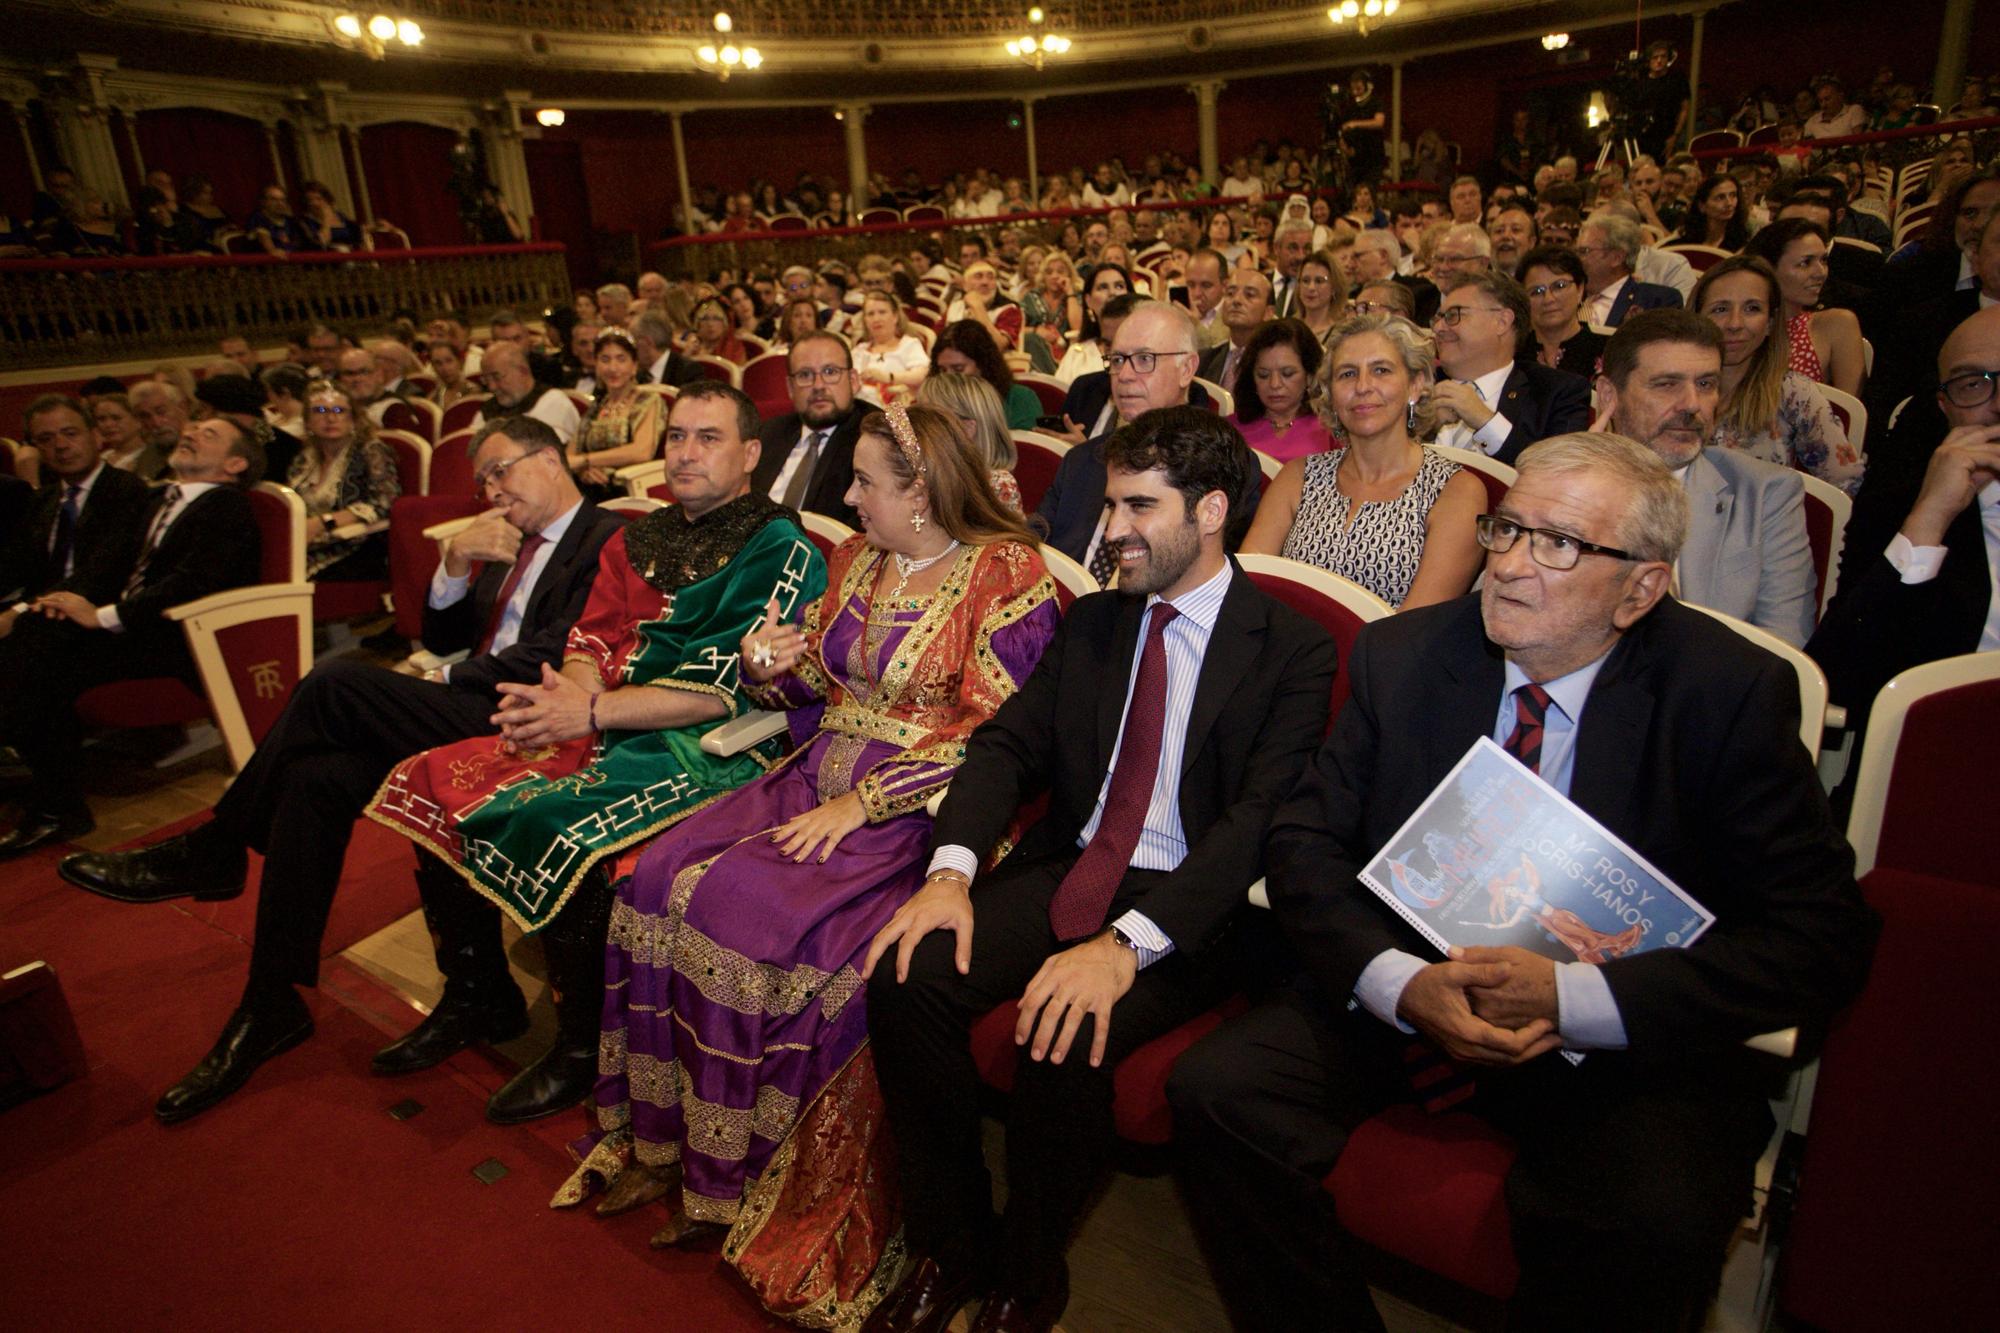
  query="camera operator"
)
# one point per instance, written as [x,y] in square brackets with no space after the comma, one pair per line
[1656,106]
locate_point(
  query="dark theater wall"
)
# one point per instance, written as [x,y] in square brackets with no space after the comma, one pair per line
[408,165]
[230,150]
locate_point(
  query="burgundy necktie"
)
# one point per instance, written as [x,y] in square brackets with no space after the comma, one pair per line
[1085,894]
[1439,1081]
[522,559]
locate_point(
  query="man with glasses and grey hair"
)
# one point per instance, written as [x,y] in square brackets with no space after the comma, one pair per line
[348,723]
[1682,738]
[807,458]
[1608,245]
[1489,396]
[1918,581]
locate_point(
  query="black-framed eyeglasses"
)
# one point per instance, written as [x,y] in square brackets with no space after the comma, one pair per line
[1372,308]
[1548,547]
[1557,287]
[1143,362]
[825,375]
[1451,315]
[498,472]
[1971,388]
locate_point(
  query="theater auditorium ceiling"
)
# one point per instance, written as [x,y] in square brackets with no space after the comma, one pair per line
[626,51]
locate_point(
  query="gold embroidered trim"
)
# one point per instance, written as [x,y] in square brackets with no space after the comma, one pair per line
[773,1114]
[701,1208]
[721,1132]
[605,1162]
[729,697]
[656,1082]
[846,984]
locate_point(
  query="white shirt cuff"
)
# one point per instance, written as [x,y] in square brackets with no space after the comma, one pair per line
[1494,433]
[1917,564]
[1152,942]
[1380,988]
[1586,1014]
[960,859]
[446,590]
[107,618]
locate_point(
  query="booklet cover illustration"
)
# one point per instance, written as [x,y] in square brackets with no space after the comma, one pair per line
[1497,856]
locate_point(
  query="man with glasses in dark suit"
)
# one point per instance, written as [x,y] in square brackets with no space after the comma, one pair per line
[808,454]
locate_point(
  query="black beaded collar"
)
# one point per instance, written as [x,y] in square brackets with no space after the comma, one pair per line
[670,551]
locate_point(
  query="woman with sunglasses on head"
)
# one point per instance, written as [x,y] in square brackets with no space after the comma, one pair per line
[1768,410]
[347,478]
[1554,279]
[735,946]
[1385,511]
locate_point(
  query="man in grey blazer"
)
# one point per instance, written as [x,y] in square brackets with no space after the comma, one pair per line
[1746,554]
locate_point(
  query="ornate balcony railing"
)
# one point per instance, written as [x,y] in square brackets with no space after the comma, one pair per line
[65,312]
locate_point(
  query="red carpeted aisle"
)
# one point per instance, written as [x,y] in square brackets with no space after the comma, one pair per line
[299,1203]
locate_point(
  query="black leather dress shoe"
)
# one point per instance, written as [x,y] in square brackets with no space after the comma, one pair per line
[1005,1312]
[252,1036]
[923,1302]
[39,830]
[183,867]
[454,1025]
[556,1082]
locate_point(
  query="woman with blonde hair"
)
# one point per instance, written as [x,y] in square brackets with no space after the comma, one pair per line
[978,408]
[887,356]
[346,477]
[1387,512]
[1769,410]
[735,1077]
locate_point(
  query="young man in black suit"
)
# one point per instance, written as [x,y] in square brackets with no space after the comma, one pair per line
[1917,575]
[1683,739]
[807,458]
[1165,722]
[195,536]
[78,532]
[348,724]
[1492,396]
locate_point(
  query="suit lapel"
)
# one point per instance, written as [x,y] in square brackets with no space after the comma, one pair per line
[1239,629]
[1471,679]
[777,448]
[1710,500]
[1612,735]
[573,536]
[1514,403]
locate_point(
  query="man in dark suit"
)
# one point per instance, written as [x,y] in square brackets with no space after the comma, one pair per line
[1165,723]
[1161,338]
[349,723]
[241,399]
[80,527]
[1492,396]
[1683,739]
[194,537]
[807,458]
[1904,364]
[1917,575]
[1246,305]
[1608,245]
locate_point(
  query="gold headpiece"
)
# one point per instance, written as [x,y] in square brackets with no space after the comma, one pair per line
[906,435]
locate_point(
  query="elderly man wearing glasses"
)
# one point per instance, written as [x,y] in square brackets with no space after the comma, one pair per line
[808,454]
[349,723]
[1918,582]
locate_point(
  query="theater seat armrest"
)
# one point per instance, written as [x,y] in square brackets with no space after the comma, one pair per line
[348,532]
[1783,1043]
[631,470]
[936,802]
[424,660]
[275,593]
[1836,717]
[1259,897]
[741,733]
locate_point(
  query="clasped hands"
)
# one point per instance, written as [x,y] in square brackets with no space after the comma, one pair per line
[555,710]
[59,606]
[1086,979]
[1457,401]
[1486,1006]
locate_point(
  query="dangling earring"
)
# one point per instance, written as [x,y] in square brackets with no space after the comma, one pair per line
[1411,417]
[916,521]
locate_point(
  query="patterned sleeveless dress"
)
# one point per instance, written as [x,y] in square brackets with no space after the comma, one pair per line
[1804,358]
[1381,548]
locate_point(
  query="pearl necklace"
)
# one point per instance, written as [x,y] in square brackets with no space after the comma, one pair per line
[906,566]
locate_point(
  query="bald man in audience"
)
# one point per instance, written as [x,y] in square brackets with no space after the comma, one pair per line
[163,415]
[517,393]
[361,375]
[1917,577]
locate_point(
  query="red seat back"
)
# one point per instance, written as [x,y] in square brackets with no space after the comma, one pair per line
[1035,470]
[402,416]
[274,532]
[451,465]
[409,464]
[765,382]
[1941,757]
[1339,620]
[462,413]
[1051,393]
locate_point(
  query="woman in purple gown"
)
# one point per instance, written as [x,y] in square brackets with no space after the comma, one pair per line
[733,1069]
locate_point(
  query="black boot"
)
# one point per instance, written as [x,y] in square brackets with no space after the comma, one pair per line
[574,945]
[481,1001]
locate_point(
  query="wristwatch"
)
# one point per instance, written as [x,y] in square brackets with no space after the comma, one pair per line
[1122,938]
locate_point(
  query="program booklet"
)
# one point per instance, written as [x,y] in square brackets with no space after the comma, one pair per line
[1497,856]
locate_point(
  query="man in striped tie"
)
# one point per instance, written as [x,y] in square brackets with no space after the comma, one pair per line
[1681,737]
[1164,722]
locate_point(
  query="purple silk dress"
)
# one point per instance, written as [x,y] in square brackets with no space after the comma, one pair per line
[732,987]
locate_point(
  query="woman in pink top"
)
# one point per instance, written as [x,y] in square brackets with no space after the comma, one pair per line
[1274,377]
